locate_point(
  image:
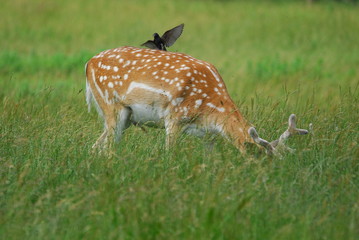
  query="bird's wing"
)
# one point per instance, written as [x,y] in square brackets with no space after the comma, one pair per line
[150,44]
[170,36]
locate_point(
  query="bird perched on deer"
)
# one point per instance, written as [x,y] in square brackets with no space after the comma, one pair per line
[171,90]
[166,40]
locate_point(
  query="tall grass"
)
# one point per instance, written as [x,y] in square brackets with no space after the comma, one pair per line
[275,59]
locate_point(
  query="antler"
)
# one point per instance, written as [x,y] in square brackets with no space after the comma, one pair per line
[253,133]
[276,145]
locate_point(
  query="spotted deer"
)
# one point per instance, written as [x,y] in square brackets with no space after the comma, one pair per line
[166,89]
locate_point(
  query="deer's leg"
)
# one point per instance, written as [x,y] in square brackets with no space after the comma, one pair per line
[100,140]
[109,129]
[172,131]
[123,122]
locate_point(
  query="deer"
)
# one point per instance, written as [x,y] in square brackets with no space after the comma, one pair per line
[170,90]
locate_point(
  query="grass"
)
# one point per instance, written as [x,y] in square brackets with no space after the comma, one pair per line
[276,59]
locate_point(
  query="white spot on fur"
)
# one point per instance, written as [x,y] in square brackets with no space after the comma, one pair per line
[211,105]
[128,62]
[198,103]
[177,101]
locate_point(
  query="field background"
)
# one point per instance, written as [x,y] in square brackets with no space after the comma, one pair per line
[276,58]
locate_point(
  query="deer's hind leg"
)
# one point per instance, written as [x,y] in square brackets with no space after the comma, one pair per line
[105,140]
[123,122]
[117,120]
[172,131]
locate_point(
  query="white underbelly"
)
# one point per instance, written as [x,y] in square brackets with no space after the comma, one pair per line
[199,131]
[193,129]
[149,115]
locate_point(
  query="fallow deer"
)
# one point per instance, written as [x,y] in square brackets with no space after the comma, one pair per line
[166,89]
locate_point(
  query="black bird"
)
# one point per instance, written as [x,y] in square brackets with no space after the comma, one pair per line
[167,39]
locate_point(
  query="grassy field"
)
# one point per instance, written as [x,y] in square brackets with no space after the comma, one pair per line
[276,59]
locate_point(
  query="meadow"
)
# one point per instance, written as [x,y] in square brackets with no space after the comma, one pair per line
[276,58]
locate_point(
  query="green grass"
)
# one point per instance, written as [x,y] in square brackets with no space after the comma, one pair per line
[276,59]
